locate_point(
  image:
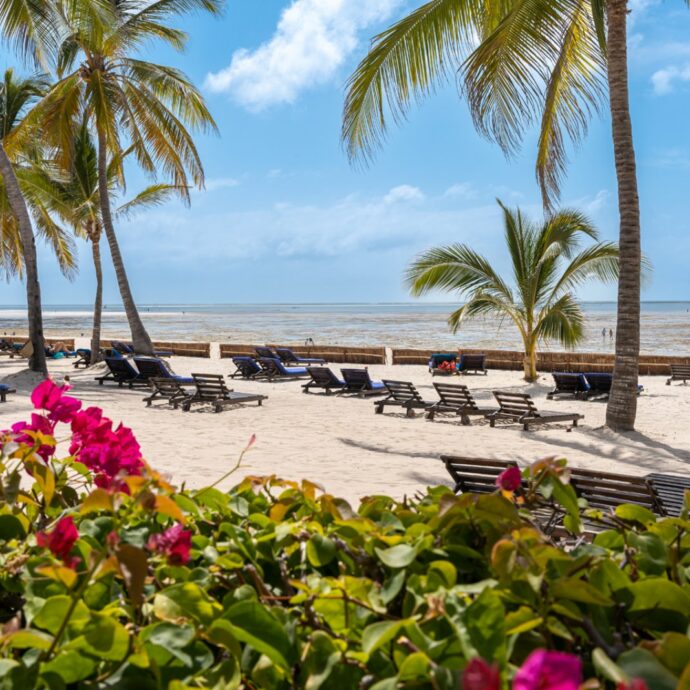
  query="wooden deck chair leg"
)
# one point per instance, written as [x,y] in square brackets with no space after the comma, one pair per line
[465,420]
[430,415]
[3,396]
[379,409]
[410,413]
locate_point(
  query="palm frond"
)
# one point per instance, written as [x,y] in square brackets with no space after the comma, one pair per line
[563,322]
[454,268]
[405,63]
[485,304]
[154,195]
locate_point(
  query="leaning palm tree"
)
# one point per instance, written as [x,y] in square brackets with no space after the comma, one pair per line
[74,197]
[520,62]
[548,264]
[16,97]
[152,107]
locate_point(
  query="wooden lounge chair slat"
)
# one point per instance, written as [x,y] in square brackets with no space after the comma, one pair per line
[520,408]
[211,388]
[402,394]
[679,372]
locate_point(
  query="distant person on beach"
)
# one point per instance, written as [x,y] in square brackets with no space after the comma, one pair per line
[58,347]
[611,333]
[603,333]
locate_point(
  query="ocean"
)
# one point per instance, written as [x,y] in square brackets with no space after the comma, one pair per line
[665,325]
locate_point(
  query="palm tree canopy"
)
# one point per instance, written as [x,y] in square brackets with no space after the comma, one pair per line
[548,264]
[519,62]
[136,104]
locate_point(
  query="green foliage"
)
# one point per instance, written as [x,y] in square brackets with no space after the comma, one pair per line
[287,587]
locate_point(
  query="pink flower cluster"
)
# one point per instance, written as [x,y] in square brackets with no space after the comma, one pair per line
[61,540]
[542,670]
[175,543]
[109,453]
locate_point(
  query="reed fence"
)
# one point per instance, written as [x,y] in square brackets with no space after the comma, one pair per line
[578,362]
[331,353]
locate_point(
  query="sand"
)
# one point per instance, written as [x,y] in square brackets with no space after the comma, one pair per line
[342,445]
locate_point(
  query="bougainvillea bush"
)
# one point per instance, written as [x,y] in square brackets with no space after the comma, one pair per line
[110,577]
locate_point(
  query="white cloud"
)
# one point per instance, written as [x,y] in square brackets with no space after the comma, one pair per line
[284,231]
[312,40]
[596,204]
[664,80]
[404,192]
[216,183]
[672,158]
[462,190]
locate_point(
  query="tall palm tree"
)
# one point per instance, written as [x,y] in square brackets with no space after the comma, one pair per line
[149,105]
[520,62]
[74,197]
[30,28]
[548,265]
[16,97]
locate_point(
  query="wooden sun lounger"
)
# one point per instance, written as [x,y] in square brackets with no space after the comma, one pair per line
[152,367]
[679,372]
[607,490]
[265,352]
[246,367]
[456,399]
[211,388]
[323,378]
[670,491]
[401,394]
[520,408]
[473,363]
[476,475]
[275,369]
[83,358]
[4,391]
[358,381]
[167,389]
[569,384]
[288,357]
[120,371]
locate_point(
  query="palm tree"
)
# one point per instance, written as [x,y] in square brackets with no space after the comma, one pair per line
[16,96]
[535,61]
[547,265]
[150,105]
[75,198]
[30,27]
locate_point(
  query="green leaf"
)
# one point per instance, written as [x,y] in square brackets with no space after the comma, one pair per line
[104,638]
[398,556]
[29,639]
[659,604]
[608,668]
[640,663]
[634,513]
[222,633]
[674,652]
[71,666]
[168,635]
[578,590]
[416,665]
[255,625]
[485,623]
[11,528]
[134,567]
[320,550]
[186,600]
[53,613]
[378,634]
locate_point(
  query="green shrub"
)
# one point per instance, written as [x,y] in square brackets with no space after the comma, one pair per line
[112,578]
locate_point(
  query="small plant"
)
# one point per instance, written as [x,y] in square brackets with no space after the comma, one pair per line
[110,577]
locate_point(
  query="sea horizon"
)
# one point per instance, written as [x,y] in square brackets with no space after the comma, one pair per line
[665,324]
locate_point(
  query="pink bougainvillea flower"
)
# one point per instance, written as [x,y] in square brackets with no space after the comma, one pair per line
[50,397]
[547,670]
[38,425]
[480,675]
[61,540]
[634,684]
[109,453]
[510,479]
[175,543]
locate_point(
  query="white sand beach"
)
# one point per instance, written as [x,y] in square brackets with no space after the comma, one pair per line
[341,444]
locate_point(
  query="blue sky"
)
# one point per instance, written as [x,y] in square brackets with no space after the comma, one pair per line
[285,218]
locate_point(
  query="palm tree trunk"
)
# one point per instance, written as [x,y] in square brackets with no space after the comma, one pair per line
[95,236]
[530,361]
[33,288]
[140,338]
[622,406]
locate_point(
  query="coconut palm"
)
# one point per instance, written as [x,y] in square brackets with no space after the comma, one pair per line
[519,63]
[32,29]
[548,264]
[74,197]
[152,107]
[16,97]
